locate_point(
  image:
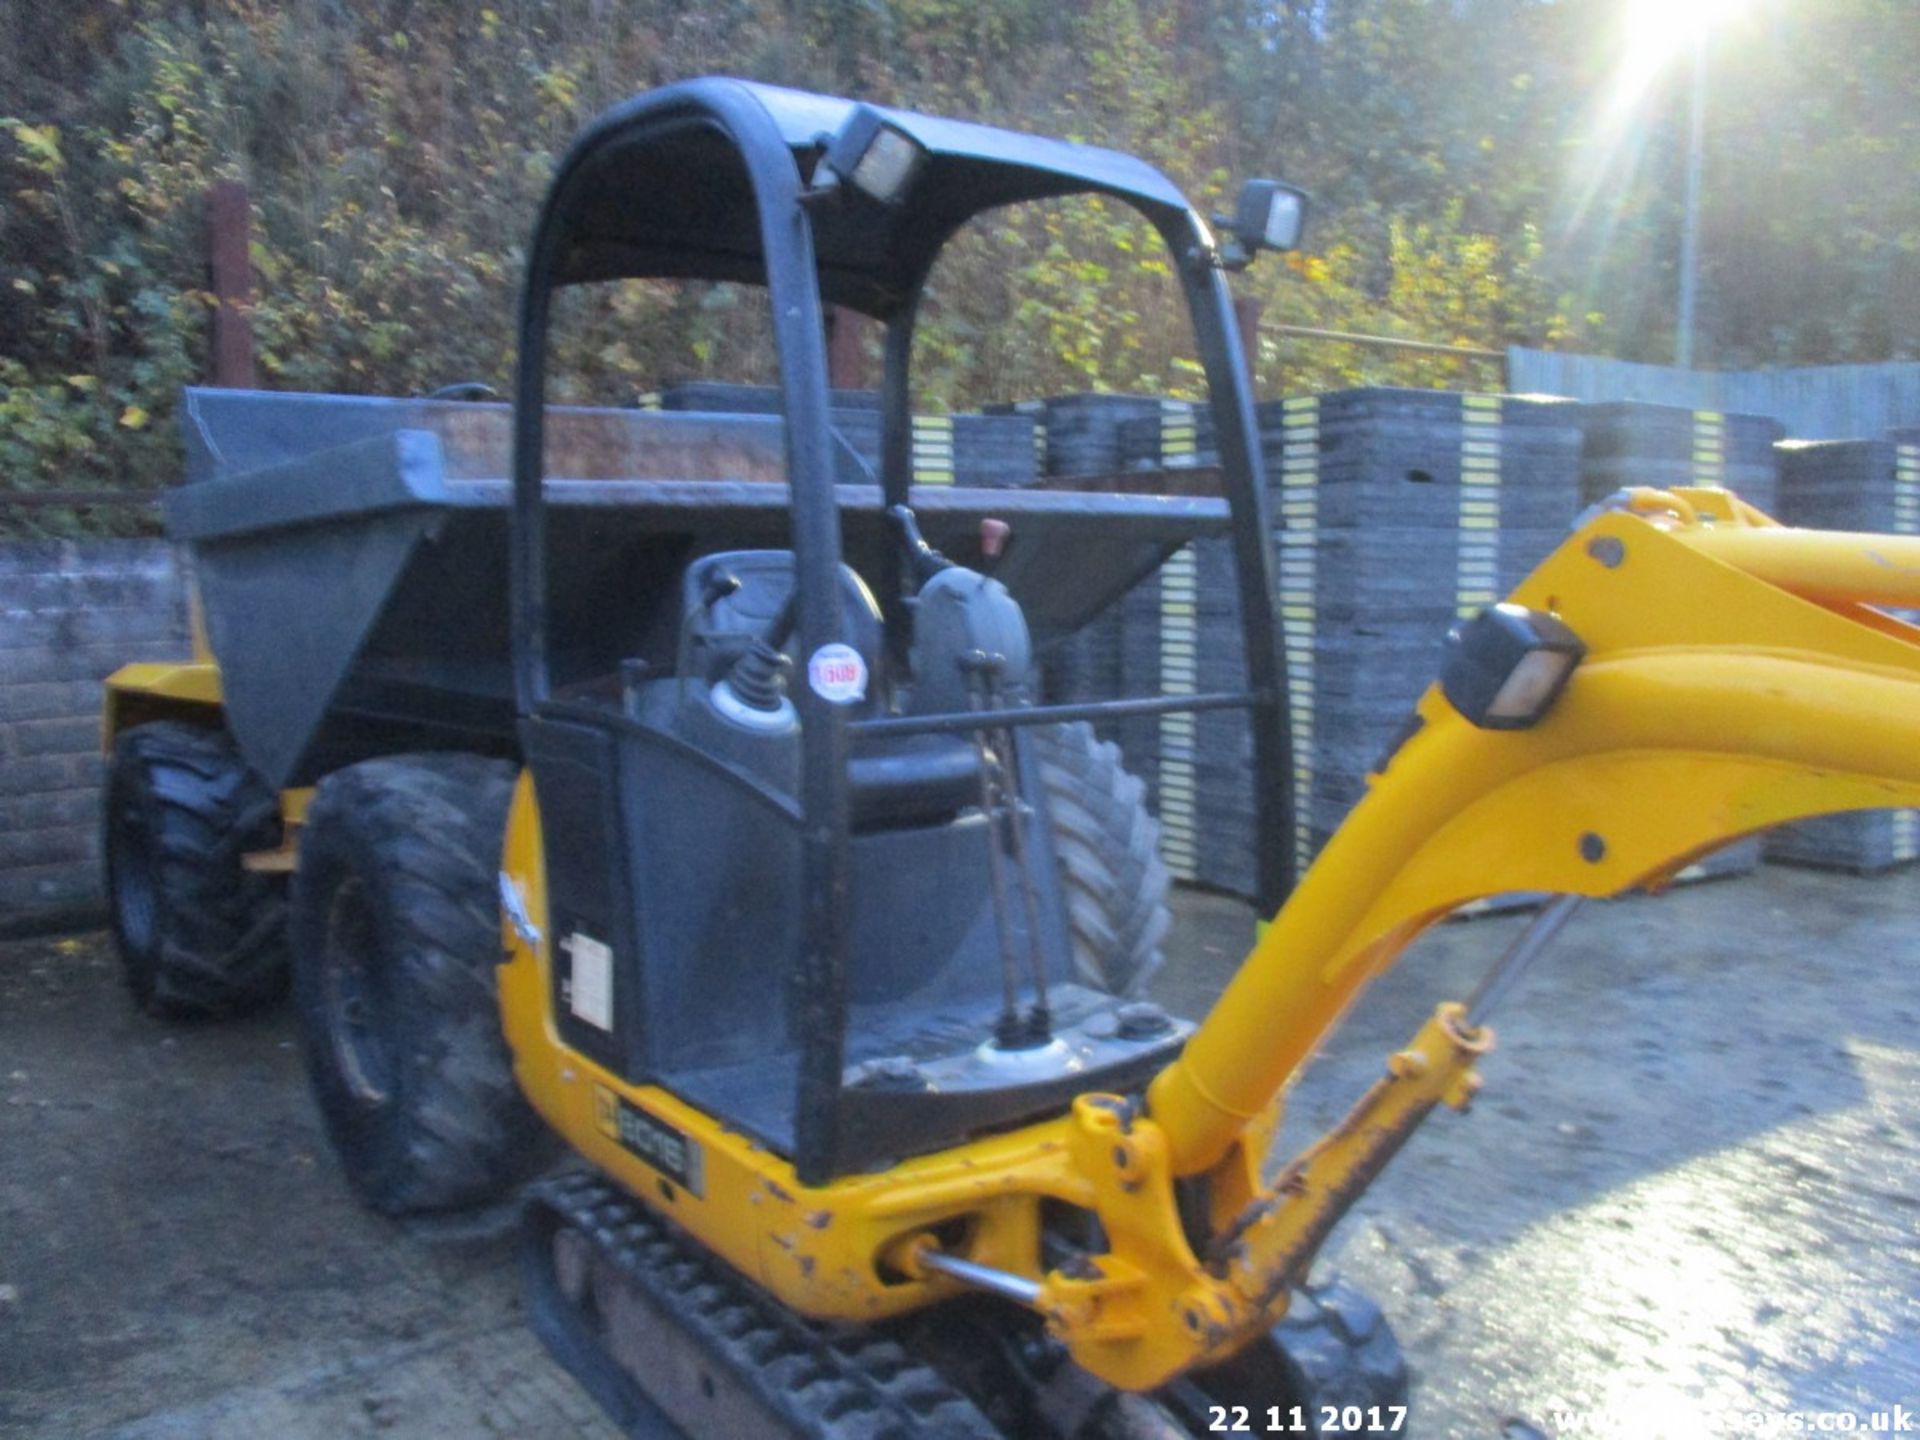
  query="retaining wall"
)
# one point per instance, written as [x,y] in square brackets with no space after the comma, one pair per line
[71,612]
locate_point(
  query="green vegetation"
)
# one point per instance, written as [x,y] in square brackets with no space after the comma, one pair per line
[1467,188]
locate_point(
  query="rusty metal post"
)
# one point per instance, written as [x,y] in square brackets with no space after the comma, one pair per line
[1246,319]
[229,239]
[846,356]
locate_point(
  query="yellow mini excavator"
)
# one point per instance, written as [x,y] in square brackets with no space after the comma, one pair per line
[679,788]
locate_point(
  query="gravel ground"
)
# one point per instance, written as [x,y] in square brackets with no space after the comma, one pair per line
[1690,1193]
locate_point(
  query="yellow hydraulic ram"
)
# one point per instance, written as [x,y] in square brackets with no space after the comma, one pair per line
[1733,679]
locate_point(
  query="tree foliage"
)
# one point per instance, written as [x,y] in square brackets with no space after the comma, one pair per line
[1471,185]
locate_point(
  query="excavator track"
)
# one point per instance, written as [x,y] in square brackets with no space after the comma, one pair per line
[672,1343]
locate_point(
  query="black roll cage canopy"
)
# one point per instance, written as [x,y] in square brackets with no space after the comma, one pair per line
[707,180]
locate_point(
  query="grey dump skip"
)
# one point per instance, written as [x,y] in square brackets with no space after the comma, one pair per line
[352,554]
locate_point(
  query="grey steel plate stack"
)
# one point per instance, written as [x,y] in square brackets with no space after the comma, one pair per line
[1851,485]
[1080,434]
[1630,442]
[1397,512]
[997,451]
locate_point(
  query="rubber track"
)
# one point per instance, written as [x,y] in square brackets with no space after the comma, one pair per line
[825,1382]
[1343,1351]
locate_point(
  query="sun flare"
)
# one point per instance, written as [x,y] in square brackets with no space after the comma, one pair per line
[1658,31]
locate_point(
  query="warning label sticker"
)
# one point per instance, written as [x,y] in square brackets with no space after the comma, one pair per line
[590,991]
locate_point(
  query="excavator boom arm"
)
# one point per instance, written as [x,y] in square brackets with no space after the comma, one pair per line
[1713,703]
[1734,679]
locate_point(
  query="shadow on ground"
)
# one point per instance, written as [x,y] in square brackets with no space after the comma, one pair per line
[1691,1187]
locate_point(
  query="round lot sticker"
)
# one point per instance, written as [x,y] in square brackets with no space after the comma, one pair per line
[838,674]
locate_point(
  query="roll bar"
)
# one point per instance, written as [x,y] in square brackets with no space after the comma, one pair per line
[706,180]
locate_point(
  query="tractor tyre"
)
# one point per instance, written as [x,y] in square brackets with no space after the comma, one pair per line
[199,935]
[396,942]
[1107,848]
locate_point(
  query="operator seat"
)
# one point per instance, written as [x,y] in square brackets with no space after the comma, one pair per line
[892,779]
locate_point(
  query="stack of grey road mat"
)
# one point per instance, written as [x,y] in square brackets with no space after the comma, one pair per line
[1851,485]
[1396,512]
[997,451]
[1632,443]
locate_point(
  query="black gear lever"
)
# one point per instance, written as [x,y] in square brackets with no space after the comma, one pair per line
[755,676]
[926,561]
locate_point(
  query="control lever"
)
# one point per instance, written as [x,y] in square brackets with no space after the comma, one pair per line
[780,629]
[925,561]
[994,534]
[1000,802]
[755,676]
[718,587]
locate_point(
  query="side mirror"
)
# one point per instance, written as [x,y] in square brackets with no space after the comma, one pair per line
[1269,215]
[870,153]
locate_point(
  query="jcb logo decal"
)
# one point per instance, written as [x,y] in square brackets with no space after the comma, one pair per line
[606,1112]
[673,1154]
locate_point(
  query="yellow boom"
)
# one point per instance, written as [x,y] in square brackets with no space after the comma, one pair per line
[1733,681]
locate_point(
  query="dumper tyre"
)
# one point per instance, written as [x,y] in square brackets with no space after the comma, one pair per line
[1107,849]
[199,934]
[396,944]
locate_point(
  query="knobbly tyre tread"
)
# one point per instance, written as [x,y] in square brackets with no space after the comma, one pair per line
[823,1382]
[422,834]
[1107,846]
[218,946]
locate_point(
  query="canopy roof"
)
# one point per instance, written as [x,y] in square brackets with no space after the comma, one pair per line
[658,186]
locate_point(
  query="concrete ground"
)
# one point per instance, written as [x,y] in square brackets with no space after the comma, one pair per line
[1688,1198]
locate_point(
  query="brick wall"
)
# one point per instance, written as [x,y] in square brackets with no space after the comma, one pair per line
[71,612]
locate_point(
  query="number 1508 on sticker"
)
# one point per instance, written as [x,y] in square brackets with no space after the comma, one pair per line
[1305,1420]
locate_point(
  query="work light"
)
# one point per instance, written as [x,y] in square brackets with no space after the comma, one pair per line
[1506,666]
[1269,215]
[875,155]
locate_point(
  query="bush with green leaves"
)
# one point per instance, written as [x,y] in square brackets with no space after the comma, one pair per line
[395,152]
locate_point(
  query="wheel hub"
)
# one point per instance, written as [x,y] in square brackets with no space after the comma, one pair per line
[353,999]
